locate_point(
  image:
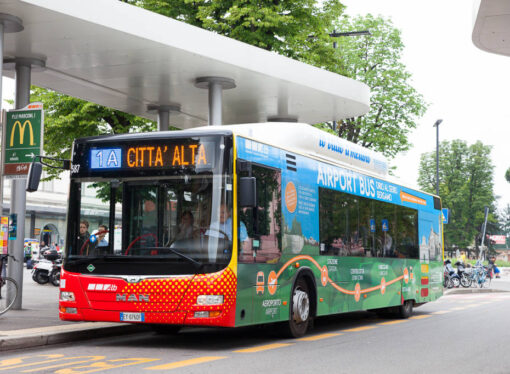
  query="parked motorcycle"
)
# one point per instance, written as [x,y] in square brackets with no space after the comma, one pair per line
[55,273]
[41,271]
[451,278]
[464,275]
[48,269]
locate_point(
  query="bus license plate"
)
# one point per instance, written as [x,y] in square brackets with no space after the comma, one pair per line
[132,317]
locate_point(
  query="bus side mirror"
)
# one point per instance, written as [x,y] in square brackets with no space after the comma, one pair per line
[247,192]
[34,176]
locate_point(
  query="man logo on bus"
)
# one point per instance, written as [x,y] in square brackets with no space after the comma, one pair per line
[21,127]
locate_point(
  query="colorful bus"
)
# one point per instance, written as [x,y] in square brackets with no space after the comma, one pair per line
[242,225]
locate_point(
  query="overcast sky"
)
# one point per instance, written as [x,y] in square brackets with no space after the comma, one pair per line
[468,88]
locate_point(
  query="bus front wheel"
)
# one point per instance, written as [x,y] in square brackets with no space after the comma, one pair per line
[300,311]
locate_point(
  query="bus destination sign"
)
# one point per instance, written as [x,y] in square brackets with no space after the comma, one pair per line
[152,156]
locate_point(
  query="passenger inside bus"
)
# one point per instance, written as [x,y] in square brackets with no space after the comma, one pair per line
[185,226]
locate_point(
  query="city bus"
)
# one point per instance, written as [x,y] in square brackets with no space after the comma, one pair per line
[241,225]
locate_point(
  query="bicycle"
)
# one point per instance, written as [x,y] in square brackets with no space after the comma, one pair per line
[8,287]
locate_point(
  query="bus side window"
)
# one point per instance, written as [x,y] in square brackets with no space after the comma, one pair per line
[262,226]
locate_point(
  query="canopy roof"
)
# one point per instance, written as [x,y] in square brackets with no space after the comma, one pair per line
[127,58]
[491,31]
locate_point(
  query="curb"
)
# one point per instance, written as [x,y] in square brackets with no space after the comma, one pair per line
[28,338]
[460,291]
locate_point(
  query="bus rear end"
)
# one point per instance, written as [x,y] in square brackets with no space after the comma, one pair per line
[149,230]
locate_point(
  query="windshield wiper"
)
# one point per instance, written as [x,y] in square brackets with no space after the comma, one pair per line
[192,260]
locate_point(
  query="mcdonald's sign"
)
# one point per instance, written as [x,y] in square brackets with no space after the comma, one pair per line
[22,138]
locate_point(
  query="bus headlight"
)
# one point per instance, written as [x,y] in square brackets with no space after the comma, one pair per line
[210,300]
[67,296]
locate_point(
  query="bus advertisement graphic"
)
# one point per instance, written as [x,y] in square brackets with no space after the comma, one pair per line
[22,138]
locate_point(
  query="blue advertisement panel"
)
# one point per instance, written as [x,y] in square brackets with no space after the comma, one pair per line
[301,179]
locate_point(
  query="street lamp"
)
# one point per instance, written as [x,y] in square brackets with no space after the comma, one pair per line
[436,125]
[335,34]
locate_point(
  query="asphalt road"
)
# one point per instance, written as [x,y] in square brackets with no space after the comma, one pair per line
[459,333]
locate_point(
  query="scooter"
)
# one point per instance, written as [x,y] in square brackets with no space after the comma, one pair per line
[465,276]
[41,271]
[55,273]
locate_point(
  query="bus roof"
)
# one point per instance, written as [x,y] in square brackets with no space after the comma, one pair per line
[127,58]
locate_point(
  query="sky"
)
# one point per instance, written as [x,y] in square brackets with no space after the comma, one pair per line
[466,87]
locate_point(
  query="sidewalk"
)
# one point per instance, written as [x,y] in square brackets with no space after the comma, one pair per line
[38,324]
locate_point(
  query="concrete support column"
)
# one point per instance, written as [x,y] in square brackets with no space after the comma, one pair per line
[282,119]
[163,112]
[215,85]
[23,67]
[10,24]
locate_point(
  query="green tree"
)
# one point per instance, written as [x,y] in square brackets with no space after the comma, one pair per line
[375,60]
[466,187]
[67,118]
[507,175]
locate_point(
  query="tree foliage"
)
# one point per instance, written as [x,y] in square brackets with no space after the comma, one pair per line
[298,29]
[465,186]
[67,118]
[375,60]
[507,175]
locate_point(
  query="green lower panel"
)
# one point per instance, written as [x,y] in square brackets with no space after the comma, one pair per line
[343,284]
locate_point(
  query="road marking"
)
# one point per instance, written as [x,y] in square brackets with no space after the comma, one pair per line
[420,316]
[459,308]
[442,312]
[362,328]
[319,337]
[90,359]
[392,322]
[180,364]
[261,348]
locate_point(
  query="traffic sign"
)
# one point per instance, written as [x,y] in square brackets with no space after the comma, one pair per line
[22,138]
[445,214]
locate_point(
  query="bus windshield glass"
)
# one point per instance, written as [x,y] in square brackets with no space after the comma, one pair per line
[174,219]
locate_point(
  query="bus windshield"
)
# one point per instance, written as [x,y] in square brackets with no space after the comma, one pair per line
[178,222]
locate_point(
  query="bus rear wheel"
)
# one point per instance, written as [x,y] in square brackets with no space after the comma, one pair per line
[405,310]
[300,311]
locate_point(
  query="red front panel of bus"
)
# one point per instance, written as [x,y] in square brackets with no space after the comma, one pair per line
[159,300]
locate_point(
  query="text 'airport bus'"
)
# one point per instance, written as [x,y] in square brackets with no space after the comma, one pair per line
[242,225]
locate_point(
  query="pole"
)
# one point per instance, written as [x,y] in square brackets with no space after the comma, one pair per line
[437,160]
[10,24]
[482,251]
[163,112]
[18,185]
[215,85]
[436,125]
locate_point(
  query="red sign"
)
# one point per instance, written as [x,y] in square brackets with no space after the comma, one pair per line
[498,239]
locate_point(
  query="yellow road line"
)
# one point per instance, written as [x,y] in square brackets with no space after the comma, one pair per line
[319,337]
[459,308]
[362,328]
[392,322]
[420,316]
[261,348]
[180,364]
[442,312]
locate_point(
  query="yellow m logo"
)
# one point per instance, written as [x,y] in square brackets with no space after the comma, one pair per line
[22,132]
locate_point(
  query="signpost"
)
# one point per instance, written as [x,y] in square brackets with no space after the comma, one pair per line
[446,214]
[22,138]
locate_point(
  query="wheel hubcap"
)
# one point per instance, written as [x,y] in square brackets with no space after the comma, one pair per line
[301,306]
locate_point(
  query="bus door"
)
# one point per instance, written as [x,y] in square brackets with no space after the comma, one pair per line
[259,249]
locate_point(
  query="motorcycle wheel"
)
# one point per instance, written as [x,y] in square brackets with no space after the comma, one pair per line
[456,282]
[465,281]
[449,283]
[41,278]
[55,279]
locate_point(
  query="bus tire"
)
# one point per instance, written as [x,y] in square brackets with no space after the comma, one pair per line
[406,310]
[300,310]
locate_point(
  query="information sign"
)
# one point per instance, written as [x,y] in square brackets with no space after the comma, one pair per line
[22,138]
